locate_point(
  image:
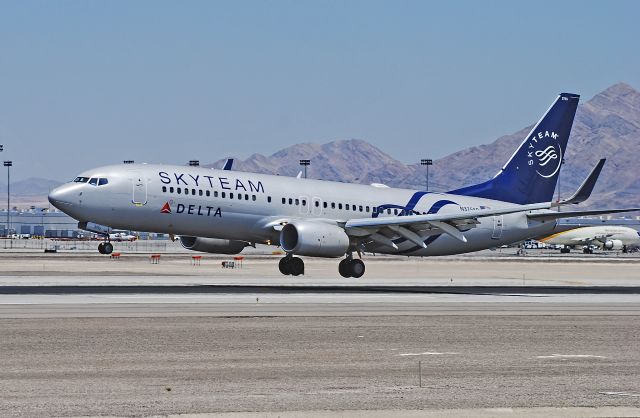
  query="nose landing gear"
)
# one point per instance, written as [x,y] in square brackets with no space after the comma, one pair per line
[105,247]
[291,265]
[351,267]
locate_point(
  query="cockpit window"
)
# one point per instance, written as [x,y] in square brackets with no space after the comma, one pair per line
[93,181]
[102,182]
[81,180]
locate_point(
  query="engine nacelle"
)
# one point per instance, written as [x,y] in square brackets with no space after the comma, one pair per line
[212,245]
[613,244]
[316,239]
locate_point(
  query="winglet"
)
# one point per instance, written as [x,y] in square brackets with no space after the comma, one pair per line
[228,164]
[585,189]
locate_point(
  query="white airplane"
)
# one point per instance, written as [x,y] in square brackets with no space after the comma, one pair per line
[604,237]
[222,211]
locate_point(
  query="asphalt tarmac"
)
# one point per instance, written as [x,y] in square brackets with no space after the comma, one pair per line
[87,336]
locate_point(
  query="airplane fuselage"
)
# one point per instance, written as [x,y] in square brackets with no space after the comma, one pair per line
[197,201]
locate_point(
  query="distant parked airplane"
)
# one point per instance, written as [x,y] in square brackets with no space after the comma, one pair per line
[605,237]
[222,211]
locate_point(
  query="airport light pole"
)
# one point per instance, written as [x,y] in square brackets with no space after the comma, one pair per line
[561,164]
[8,164]
[427,162]
[305,164]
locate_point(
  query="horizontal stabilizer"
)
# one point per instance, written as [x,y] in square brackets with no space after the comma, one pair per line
[585,189]
[545,216]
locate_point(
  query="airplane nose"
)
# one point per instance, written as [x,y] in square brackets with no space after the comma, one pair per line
[60,197]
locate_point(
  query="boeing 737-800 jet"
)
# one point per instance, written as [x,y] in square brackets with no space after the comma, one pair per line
[222,211]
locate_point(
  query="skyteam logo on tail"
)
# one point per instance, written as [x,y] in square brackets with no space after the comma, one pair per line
[544,151]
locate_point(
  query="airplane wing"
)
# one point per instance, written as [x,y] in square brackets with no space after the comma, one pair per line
[545,216]
[587,239]
[453,224]
[585,189]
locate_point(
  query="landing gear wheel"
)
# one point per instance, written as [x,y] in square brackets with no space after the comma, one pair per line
[357,268]
[343,268]
[101,248]
[296,266]
[108,248]
[565,250]
[285,265]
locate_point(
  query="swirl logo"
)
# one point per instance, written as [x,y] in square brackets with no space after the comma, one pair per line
[545,156]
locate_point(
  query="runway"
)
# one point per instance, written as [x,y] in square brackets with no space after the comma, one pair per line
[127,338]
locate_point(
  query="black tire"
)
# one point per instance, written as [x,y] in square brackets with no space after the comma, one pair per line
[565,250]
[101,248]
[357,268]
[285,266]
[108,248]
[296,266]
[343,269]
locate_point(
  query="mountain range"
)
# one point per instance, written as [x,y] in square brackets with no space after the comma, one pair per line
[606,126]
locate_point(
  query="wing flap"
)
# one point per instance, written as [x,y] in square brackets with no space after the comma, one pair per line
[550,215]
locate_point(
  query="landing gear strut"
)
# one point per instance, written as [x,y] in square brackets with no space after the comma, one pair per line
[351,267]
[105,247]
[291,265]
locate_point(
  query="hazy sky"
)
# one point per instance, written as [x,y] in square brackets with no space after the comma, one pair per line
[88,83]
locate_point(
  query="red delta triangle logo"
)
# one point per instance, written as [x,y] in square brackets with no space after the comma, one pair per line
[166,208]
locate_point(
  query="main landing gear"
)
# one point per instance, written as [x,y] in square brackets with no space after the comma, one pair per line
[105,247]
[351,267]
[291,265]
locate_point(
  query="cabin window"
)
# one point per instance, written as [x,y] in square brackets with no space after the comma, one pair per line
[290,201]
[253,197]
[333,205]
[208,193]
[171,189]
[366,209]
[268,199]
[297,202]
[304,202]
[246,197]
[346,206]
[360,208]
[284,200]
[230,195]
[317,204]
[223,195]
[375,209]
[164,189]
[324,205]
[395,212]
[178,190]
[388,211]
[340,206]
[200,192]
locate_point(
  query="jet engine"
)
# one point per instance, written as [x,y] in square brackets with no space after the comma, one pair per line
[315,239]
[212,245]
[613,244]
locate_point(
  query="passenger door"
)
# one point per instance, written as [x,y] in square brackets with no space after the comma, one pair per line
[139,183]
[497,227]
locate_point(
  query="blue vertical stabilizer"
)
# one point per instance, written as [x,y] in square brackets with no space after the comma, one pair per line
[531,174]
